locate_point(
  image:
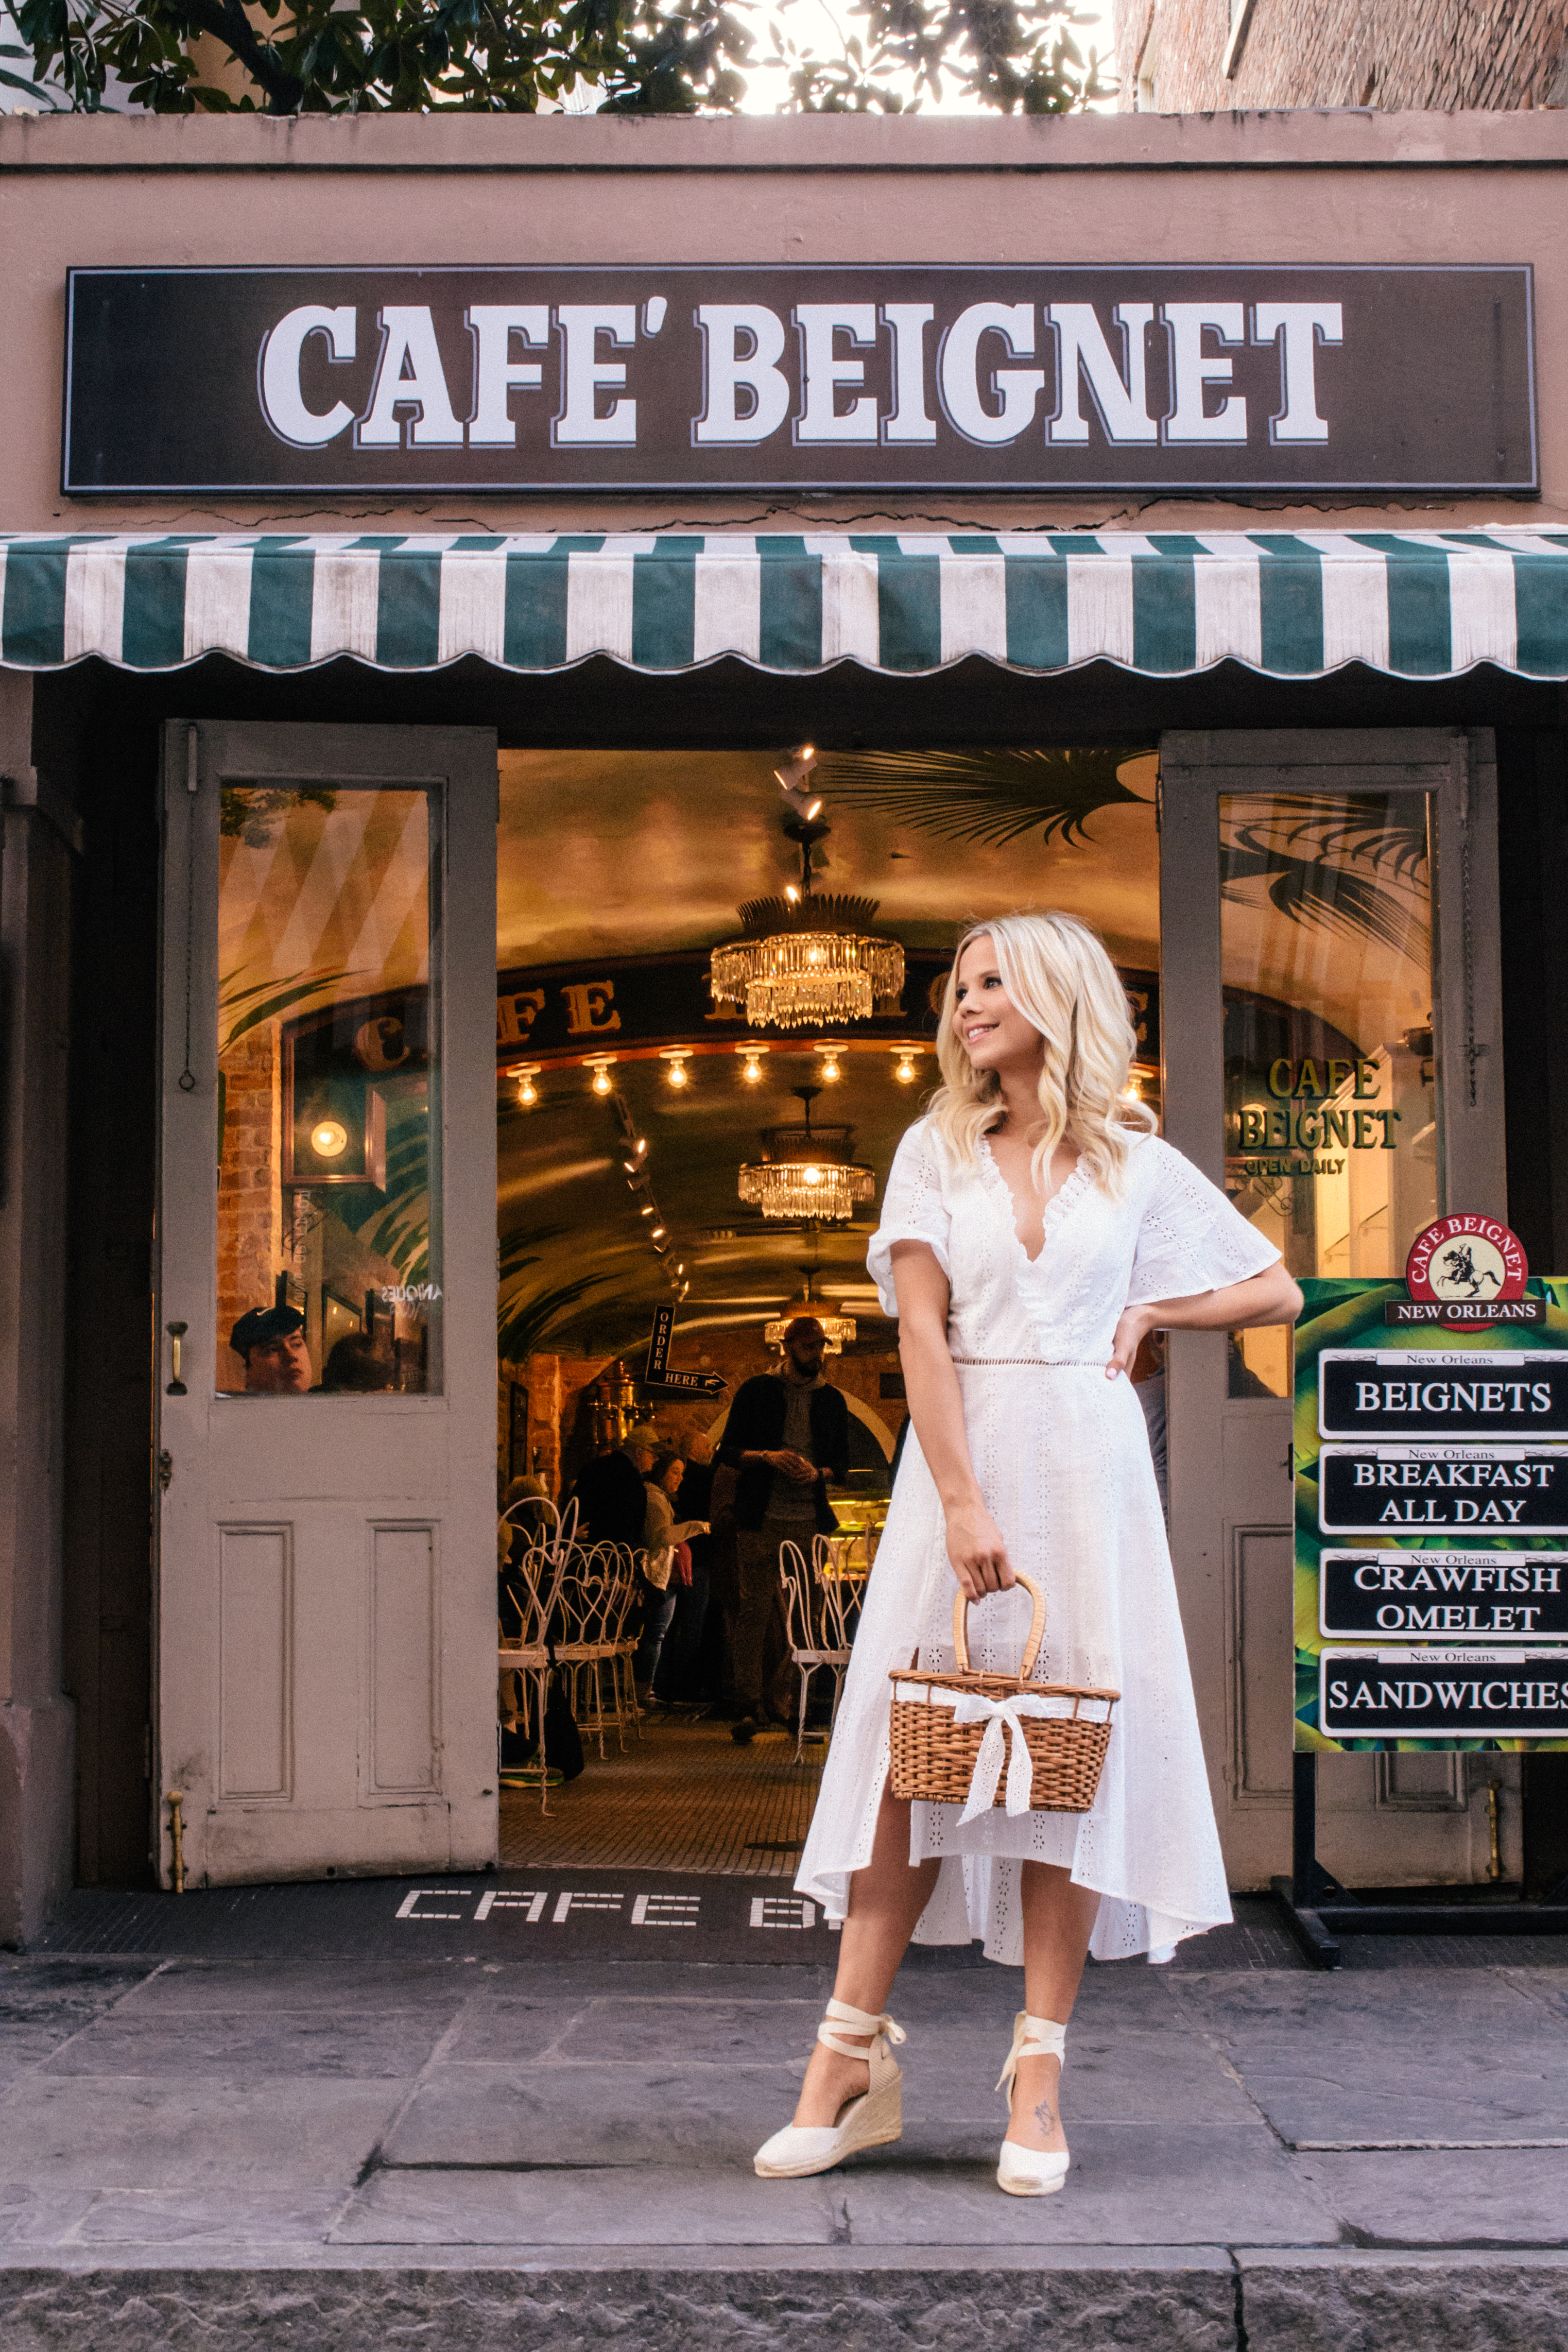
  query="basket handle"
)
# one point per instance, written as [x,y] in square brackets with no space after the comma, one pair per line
[1035,1626]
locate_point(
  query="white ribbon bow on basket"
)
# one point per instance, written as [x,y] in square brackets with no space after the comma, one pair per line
[999,1716]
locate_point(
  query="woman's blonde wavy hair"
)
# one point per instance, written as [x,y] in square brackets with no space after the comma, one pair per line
[1057,972]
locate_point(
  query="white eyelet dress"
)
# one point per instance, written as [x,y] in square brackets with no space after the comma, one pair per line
[1062,1454]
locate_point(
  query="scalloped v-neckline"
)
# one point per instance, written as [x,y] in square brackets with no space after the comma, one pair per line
[997,1183]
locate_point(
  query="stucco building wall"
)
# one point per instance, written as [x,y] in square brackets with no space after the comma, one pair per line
[394,191]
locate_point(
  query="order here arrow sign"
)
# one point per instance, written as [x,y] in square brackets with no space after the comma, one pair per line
[656,1372]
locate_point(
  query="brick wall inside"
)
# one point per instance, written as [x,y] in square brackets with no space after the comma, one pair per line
[250,1250]
[558,1390]
[1390,54]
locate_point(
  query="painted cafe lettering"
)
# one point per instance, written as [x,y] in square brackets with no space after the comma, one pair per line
[615,1007]
[873,374]
[1317,1107]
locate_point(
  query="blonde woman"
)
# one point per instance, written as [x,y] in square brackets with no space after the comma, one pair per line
[1033,1230]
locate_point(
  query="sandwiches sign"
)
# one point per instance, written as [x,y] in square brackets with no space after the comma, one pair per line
[861,376]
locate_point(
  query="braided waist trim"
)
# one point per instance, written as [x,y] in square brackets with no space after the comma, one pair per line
[1040,1363]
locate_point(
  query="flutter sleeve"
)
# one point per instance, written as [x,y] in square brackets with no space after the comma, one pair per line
[912,1210]
[1191,1239]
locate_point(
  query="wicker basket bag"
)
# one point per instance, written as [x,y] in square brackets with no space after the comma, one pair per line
[949,1732]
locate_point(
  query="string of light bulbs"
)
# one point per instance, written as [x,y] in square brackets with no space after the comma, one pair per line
[828,1055]
[634,1167]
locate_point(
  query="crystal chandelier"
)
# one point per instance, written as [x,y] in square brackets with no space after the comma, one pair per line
[801,961]
[836,1328]
[805,1175]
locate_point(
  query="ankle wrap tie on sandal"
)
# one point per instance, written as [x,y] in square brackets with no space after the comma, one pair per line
[859,2021]
[873,2119]
[1033,2037]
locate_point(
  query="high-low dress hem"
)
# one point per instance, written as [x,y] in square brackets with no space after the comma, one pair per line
[1063,1459]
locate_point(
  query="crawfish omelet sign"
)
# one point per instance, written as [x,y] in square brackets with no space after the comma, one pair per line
[1431,1604]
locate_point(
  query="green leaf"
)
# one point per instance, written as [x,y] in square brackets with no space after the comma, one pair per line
[648,56]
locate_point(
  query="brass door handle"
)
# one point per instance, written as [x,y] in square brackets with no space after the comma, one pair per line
[176,1333]
[176,1800]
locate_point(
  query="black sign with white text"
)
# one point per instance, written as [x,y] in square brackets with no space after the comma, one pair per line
[1442,1392]
[1482,1596]
[1444,1694]
[656,1372]
[1426,1490]
[855,376]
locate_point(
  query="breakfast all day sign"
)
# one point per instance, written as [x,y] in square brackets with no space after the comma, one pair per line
[1431,1450]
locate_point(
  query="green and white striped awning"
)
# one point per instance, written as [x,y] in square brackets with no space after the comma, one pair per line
[1287,603]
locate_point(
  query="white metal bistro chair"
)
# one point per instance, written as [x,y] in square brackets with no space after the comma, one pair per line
[816,1626]
[846,1558]
[624,1642]
[841,1567]
[527,1605]
[594,1597]
[608,1697]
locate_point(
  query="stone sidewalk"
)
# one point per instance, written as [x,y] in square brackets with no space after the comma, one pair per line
[344,2151]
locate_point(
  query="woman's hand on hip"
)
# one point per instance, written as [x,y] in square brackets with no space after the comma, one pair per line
[976,1553]
[1134,1323]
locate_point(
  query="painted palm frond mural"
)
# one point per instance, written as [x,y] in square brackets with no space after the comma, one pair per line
[525,1317]
[528,1317]
[523,1325]
[398,1226]
[1356,867]
[993,795]
[244,1009]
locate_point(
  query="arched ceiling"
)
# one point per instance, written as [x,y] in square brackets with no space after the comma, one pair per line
[610,856]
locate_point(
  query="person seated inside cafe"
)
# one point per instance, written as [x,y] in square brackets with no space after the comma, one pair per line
[270,1342]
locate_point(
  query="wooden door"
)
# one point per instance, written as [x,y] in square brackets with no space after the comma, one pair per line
[1321,854]
[326,1570]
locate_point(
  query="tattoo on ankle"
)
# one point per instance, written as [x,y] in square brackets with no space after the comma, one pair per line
[1045,2116]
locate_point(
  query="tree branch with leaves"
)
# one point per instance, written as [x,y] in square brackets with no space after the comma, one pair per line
[630,57]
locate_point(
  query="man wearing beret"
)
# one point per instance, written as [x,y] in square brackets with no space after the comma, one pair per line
[271,1341]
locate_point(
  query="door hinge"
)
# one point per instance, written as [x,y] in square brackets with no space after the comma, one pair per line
[165,1470]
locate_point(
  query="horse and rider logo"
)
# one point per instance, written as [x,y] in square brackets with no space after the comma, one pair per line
[1465,1259]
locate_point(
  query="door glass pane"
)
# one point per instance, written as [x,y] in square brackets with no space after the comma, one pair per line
[328,1104]
[1332,1096]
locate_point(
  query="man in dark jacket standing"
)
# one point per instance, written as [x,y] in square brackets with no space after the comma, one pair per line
[788,1436]
[611,1500]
